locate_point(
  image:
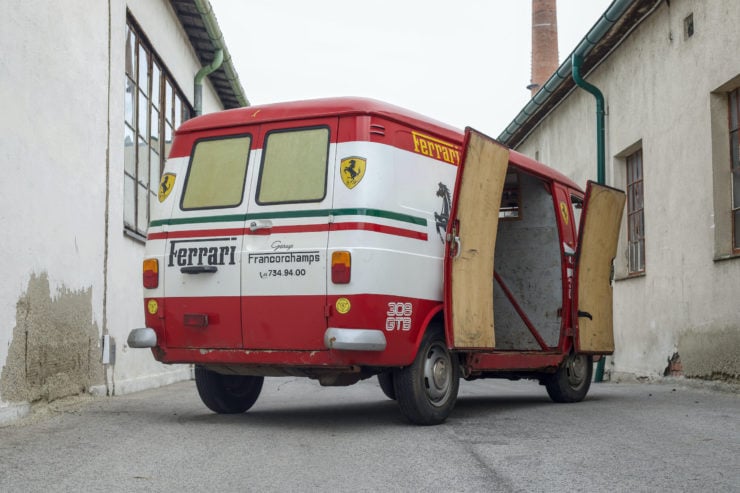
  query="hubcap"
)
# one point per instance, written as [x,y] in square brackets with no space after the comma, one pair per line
[576,369]
[437,375]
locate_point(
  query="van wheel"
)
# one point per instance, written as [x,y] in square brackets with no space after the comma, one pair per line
[385,380]
[227,394]
[570,383]
[426,390]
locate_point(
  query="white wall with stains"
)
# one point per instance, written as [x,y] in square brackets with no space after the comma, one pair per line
[65,277]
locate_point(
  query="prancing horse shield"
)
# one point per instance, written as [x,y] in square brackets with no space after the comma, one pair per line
[165,186]
[352,170]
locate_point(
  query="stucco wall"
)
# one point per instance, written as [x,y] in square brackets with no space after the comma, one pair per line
[658,86]
[61,148]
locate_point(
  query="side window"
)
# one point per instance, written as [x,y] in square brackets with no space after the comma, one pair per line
[735,167]
[635,213]
[510,199]
[577,210]
[217,173]
[294,166]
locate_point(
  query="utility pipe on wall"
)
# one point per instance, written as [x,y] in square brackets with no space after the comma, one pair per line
[577,62]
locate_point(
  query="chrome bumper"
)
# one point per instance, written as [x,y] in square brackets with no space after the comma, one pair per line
[354,339]
[142,338]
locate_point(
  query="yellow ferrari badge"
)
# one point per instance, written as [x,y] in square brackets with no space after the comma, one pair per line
[352,170]
[564,212]
[165,186]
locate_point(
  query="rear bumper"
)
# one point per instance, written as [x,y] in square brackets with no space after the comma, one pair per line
[142,338]
[354,339]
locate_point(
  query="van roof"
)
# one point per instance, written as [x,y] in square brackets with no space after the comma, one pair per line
[348,106]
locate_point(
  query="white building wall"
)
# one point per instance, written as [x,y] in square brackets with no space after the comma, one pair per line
[658,87]
[61,148]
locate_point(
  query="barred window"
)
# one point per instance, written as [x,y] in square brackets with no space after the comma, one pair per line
[153,108]
[635,213]
[735,168]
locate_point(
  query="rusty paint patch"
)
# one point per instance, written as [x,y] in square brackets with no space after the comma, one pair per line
[55,350]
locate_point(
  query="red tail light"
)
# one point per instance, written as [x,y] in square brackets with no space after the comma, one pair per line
[151,273]
[341,267]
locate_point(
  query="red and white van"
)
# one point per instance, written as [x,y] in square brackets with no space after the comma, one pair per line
[344,238]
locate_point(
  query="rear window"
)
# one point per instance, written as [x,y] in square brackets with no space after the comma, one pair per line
[294,164]
[217,173]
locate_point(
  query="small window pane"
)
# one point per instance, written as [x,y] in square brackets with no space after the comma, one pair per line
[217,172]
[130,52]
[143,161]
[129,101]
[168,101]
[143,114]
[154,126]
[294,166]
[154,169]
[156,72]
[129,195]
[734,109]
[143,69]
[142,209]
[178,112]
[736,226]
[129,151]
[167,139]
[736,188]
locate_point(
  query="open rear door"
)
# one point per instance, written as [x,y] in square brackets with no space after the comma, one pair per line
[471,238]
[597,247]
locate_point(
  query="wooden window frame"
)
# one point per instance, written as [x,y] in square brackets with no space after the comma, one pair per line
[146,142]
[635,214]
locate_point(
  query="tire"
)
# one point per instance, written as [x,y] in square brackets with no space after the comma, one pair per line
[227,394]
[426,390]
[570,383]
[385,380]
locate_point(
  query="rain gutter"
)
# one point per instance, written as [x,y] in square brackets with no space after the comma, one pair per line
[217,39]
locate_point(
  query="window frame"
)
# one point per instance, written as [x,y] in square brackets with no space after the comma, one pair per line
[151,144]
[733,124]
[265,140]
[634,166]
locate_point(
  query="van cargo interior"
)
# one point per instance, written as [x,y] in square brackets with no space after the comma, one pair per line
[527,262]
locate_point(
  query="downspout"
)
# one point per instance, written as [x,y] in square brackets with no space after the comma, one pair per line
[577,62]
[218,59]
[217,40]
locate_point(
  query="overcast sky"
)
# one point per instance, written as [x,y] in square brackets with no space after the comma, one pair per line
[463,63]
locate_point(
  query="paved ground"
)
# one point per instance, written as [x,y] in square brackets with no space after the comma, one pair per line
[502,436]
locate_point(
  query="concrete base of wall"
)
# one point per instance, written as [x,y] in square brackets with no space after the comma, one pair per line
[178,374]
[13,412]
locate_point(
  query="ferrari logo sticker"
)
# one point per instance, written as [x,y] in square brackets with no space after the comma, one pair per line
[564,212]
[165,186]
[352,170]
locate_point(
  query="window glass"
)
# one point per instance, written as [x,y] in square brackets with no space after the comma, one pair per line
[510,197]
[577,211]
[217,172]
[635,213]
[294,166]
[145,111]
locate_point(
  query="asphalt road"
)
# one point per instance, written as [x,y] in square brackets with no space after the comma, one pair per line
[502,436]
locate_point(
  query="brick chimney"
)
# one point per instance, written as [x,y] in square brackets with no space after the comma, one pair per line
[544,42]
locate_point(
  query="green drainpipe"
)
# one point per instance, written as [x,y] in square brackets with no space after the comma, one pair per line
[600,160]
[600,152]
[218,59]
